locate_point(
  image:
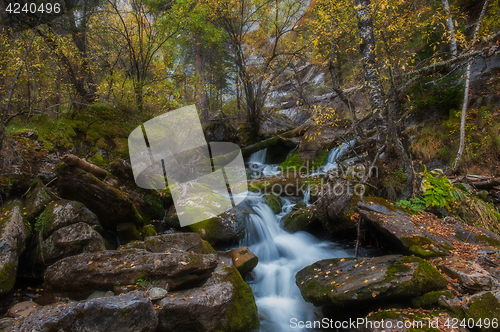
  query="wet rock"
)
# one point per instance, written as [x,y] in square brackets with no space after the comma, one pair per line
[111,205]
[148,230]
[470,275]
[241,316]
[23,309]
[274,202]
[13,234]
[37,200]
[68,241]
[199,309]
[351,282]
[300,219]
[129,312]
[244,260]
[403,229]
[156,293]
[127,232]
[99,294]
[277,147]
[484,306]
[169,243]
[310,143]
[78,276]
[336,203]
[6,323]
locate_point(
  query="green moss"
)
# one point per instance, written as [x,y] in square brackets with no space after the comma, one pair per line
[208,249]
[486,239]
[98,160]
[292,161]
[274,202]
[242,314]
[424,247]
[381,201]
[430,299]
[485,306]
[299,220]
[148,230]
[7,277]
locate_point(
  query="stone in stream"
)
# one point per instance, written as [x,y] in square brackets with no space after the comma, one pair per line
[175,242]
[484,306]
[78,276]
[225,303]
[301,219]
[13,234]
[111,205]
[350,282]
[244,260]
[132,312]
[274,202]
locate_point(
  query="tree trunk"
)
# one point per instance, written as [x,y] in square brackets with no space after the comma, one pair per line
[451,28]
[201,92]
[461,147]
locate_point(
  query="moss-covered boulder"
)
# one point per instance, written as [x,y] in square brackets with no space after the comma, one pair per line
[485,306]
[127,232]
[244,260]
[37,199]
[300,219]
[350,282]
[111,205]
[431,299]
[78,276]
[274,202]
[14,231]
[148,230]
[175,242]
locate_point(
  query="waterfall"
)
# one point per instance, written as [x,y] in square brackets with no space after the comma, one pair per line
[258,157]
[256,163]
[307,196]
[335,154]
[281,256]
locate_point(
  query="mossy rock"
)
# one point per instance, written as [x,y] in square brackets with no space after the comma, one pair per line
[128,232]
[37,200]
[430,299]
[274,202]
[483,306]
[300,220]
[242,315]
[424,247]
[148,230]
[208,249]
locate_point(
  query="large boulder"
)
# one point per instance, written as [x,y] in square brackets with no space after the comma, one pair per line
[78,276]
[170,243]
[111,205]
[485,306]
[132,312]
[13,234]
[300,219]
[275,124]
[37,199]
[350,282]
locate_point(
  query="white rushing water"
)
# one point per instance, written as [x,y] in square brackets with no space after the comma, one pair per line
[281,256]
[256,163]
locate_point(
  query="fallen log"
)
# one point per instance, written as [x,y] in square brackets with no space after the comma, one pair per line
[73,160]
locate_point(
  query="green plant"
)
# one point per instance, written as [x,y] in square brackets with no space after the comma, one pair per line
[40,221]
[143,283]
[437,190]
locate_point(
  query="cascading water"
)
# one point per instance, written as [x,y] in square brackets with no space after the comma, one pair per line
[256,163]
[335,154]
[281,256]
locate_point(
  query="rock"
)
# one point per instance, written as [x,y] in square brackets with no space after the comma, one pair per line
[274,202]
[37,200]
[311,143]
[23,309]
[13,234]
[6,323]
[111,205]
[220,131]
[169,243]
[351,282]
[470,275]
[244,260]
[336,203]
[127,232]
[277,147]
[156,293]
[226,228]
[242,313]
[130,312]
[148,230]
[68,241]
[484,306]
[99,294]
[403,229]
[63,213]
[275,124]
[80,275]
[300,220]
[430,299]
[197,310]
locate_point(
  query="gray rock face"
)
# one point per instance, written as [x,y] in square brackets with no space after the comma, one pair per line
[78,276]
[352,282]
[13,235]
[37,200]
[132,312]
[197,310]
[470,275]
[70,240]
[176,242]
[111,205]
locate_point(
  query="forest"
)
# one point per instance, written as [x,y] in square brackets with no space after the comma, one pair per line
[370,133]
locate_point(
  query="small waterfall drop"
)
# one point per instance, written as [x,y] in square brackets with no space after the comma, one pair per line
[281,256]
[256,163]
[335,154]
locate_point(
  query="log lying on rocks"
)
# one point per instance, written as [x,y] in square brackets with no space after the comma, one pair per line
[73,160]
[478,181]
